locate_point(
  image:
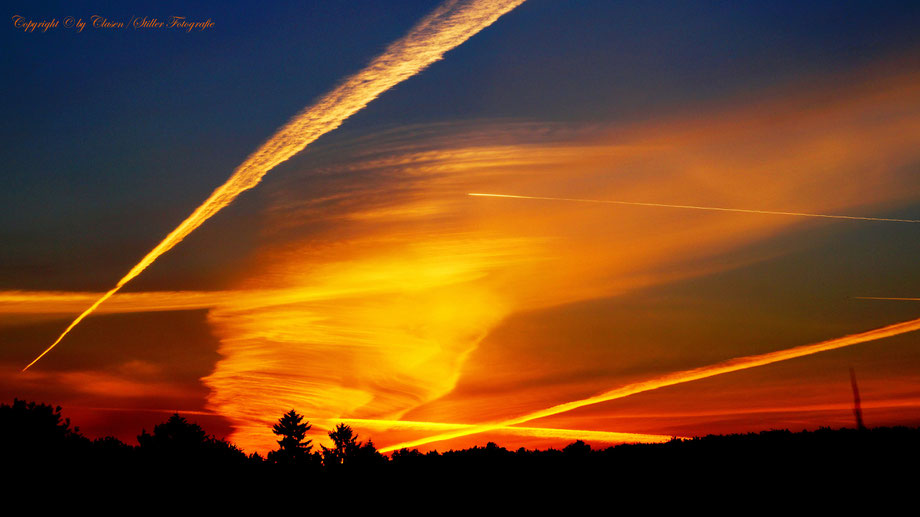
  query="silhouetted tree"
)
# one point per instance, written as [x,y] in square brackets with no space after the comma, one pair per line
[179,441]
[28,420]
[405,456]
[367,455]
[37,431]
[346,450]
[175,433]
[577,449]
[111,451]
[344,444]
[294,448]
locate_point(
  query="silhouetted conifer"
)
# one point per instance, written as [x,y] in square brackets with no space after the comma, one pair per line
[347,451]
[293,447]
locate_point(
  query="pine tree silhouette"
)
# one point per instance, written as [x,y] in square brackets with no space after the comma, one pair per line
[347,451]
[293,447]
[344,445]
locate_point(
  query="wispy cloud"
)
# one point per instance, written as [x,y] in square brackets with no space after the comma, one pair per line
[430,271]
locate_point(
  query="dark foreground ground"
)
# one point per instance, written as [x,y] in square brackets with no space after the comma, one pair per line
[41,447]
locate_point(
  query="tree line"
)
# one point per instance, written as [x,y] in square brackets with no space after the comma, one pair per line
[39,433]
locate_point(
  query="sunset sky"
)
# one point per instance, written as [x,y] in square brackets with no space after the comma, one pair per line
[359,281]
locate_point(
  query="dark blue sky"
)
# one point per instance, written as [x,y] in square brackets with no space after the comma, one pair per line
[112,137]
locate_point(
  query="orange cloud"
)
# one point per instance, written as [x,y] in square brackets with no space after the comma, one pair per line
[379,278]
[405,274]
[133,382]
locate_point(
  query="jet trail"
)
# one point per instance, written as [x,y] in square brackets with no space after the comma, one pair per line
[680,377]
[538,432]
[452,23]
[885,298]
[691,207]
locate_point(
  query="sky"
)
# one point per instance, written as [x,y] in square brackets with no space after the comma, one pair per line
[359,282]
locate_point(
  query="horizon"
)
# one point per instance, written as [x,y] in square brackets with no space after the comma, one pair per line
[189,422]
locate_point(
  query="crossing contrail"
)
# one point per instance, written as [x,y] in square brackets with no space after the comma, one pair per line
[452,23]
[680,377]
[538,432]
[692,207]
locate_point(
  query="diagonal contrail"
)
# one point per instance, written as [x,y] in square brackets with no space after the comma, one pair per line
[692,207]
[732,365]
[448,26]
[539,432]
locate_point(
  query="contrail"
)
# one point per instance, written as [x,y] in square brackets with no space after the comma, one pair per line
[883,298]
[691,207]
[539,432]
[732,365]
[452,23]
